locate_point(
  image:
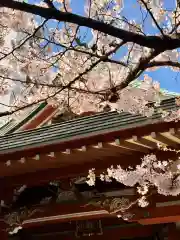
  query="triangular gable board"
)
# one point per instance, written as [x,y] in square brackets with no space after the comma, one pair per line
[40,118]
[13,123]
[31,118]
[25,119]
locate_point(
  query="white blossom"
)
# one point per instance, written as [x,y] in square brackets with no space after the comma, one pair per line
[142,202]
[142,189]
[150,173]
[91,178]
[15,230]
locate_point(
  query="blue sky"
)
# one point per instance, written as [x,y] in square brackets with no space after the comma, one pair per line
[168,79]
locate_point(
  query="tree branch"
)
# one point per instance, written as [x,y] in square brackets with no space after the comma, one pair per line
[88,69]
[49,3]
[8,113]
[166,43]
[163,63]
[141,66]
[71,48]
[24,41]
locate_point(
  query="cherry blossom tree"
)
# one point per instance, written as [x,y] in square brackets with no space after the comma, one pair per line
[86,62]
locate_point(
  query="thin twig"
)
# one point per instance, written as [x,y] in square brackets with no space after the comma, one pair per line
[152,16]
[24,41]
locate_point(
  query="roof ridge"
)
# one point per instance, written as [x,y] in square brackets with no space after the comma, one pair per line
[137,83]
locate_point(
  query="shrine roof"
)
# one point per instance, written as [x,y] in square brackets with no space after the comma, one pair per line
[100,123]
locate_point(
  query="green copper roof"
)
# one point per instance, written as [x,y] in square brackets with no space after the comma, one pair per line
[78,128]
[164,92]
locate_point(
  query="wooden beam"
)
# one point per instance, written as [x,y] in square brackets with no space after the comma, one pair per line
[173,134]
[116,147]
[71,212]
[118,231]
[146,142]
[163,139]
[102,149]
[159,215]
[129,145]
[73,170]
[136,140]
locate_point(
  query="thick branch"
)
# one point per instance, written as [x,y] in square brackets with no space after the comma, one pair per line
[163,63]
[135,73]
[154,42]
[49,3]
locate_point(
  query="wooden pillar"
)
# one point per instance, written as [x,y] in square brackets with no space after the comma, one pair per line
[169,232]
[3,233]
[173,233]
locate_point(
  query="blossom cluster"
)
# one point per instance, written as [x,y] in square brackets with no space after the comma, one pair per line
[151,173]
